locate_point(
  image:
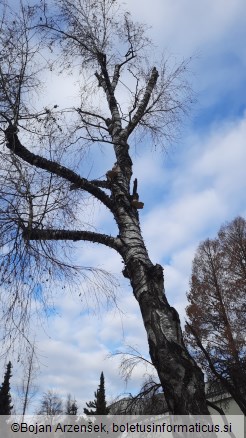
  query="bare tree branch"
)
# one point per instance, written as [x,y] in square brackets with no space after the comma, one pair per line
[15,146]
[144,102]
[51,234]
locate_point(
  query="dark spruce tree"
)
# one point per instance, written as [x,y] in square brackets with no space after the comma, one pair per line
[5,397]
[99,405]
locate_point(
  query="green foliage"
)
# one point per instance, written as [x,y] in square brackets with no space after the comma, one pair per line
[5,397]
[99,405]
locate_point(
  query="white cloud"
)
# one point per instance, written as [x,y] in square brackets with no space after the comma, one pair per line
[207,186]
[187,26]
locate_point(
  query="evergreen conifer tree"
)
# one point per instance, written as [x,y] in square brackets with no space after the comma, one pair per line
[99,404]
[5,397]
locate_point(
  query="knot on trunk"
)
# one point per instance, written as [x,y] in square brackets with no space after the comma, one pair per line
[131,266]
[156,272]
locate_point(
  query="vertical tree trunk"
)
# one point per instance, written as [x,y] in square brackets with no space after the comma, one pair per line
[181,379]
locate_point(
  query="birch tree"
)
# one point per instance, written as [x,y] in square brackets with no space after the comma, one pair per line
[27,389]
[124,97]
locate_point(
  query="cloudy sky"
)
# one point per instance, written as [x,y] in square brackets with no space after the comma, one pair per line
[189,191]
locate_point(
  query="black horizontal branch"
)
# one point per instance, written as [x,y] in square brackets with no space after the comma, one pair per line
[14,144]
[75,235]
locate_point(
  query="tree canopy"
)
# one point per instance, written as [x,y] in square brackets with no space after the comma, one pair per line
[217,308]
[51,404]
[5,396]
[42,192]
[99,405]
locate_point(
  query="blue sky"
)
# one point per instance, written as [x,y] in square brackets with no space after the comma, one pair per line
[189,191]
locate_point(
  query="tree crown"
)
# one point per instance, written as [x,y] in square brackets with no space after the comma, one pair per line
[99,405]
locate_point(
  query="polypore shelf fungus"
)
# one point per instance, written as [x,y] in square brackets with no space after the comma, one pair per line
[113,172]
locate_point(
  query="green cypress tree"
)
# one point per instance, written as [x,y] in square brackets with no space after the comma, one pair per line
[101,398]
[5,397]
[99,405]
